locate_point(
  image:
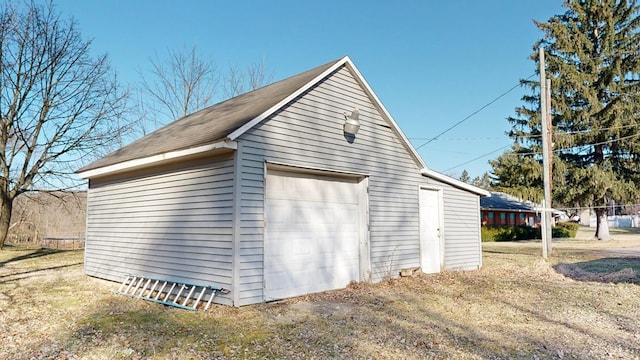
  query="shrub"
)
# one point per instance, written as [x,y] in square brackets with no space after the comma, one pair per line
[488,234]
[509,233]
[565,230]
[521,232]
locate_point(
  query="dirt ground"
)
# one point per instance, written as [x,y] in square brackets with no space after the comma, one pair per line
[582,303]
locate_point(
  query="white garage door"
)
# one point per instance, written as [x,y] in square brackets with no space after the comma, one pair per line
[311,239]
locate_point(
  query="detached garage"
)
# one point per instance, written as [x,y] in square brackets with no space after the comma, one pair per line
[298,187]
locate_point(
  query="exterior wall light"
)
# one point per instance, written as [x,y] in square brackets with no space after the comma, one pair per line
[352,123]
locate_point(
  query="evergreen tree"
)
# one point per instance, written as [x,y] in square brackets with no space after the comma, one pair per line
[483,182]
[593,59]
[464,177]
[518,174]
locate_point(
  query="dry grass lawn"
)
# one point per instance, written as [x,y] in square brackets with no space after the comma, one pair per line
[583,303]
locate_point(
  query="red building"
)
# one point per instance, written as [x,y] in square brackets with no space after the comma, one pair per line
[503,209]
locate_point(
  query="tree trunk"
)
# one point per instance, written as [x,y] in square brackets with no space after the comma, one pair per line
[602,225]
[6,206]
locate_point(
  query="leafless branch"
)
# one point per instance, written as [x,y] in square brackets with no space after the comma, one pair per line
[57,102]
[179,84]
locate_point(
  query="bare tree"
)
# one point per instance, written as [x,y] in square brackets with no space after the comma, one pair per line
[58,103]
[237,82]
[180,84]
[184,81]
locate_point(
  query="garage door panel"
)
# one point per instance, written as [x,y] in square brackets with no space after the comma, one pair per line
[292,186]
[348,215]
[281,280]
[311,240]
[336,191]
[301,247]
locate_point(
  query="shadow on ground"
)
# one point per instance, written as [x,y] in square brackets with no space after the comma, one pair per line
[15,276]
[35,254]
[606,270]
[625,231]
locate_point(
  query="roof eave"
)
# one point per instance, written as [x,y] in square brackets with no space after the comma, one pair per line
[158,159]
[503,209]
[457,183]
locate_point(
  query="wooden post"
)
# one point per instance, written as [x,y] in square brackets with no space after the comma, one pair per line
[550,166]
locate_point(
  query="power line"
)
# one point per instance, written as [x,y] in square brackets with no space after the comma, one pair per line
[579,131]
[583,145]
[462,138]
[478,158]
[600,129]
[531,136]
[539,153]
[429,140]
[596,207]
[474,113]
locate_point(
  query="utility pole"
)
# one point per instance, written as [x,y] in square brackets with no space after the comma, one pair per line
[550,164]
[545,106]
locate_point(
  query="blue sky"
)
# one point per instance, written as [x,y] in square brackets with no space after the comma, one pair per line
[431,63]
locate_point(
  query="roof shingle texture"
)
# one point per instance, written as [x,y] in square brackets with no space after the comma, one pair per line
[501,201]
[211,124]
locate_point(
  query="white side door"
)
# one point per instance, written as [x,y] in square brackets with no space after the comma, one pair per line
[430,231]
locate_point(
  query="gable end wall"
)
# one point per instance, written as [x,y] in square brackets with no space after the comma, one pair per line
[308,132]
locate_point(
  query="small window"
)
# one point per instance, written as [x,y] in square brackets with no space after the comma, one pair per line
[503,216]
[522,216]
[512,216]
[490,215]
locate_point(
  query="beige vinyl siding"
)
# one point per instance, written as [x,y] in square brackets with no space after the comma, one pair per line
[172,223]
[308,133]
[462,246]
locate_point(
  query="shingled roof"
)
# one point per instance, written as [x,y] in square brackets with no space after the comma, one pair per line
[502,201]
[213,123]
[217,127]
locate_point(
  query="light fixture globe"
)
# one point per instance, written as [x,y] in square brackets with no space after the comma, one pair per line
[352,123]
